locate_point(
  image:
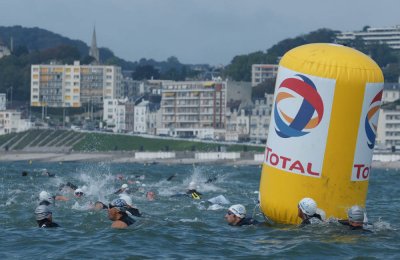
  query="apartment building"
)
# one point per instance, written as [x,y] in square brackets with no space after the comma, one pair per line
[388,130]
[386,35]
[193,108]
[391,92]
[261,72]
[56,85]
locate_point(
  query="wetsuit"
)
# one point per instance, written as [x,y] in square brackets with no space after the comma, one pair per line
[45,202]
[134,212]
[126,219]
[194,194]
[314,219]
[362,228]
[247,221]
[45,223]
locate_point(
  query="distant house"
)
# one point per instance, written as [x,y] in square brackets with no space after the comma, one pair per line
[4,51]
[115,114]
[10,120]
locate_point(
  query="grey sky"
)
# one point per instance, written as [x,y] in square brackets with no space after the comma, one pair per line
[195,31]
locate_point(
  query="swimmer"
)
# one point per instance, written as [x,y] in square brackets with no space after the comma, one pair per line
[211,179]
[67,188]
[236,216]
[307,211]
[117,213]
[192,192]
[79,193]
[46,199]
[131,208]
[124,189]
[47,173]
[356,219]
[171,177]
[24,173]
[150,195]
[44,217]
[98,205]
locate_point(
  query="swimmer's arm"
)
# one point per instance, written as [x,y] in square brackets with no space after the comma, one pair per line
[60,197]
[119,224]
[344,222]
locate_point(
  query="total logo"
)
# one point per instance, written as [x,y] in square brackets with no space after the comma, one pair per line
[367,133]
[305,115]
[370,127]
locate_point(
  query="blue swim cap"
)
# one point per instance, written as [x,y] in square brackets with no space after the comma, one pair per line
[120,204]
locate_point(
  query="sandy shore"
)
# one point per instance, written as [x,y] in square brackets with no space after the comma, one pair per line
[127,157]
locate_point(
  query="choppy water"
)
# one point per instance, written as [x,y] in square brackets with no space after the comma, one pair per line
[177,227]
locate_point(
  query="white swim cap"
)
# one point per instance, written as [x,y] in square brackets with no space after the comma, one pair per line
[308,206]
[42,212]
[124,186]
[127,199]
[45,196]
[356,214]
[79,191]
[238,210]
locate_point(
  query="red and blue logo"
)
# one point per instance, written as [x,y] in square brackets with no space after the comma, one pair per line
[308,114]
[370,127]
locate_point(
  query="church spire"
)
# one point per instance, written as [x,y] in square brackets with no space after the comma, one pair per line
[94,51]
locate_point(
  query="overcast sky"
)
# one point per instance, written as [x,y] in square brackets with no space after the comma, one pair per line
[195,31]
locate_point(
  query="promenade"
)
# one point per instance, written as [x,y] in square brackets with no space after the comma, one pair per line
[389,161]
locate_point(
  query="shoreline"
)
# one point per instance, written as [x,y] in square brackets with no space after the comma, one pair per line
[128,157]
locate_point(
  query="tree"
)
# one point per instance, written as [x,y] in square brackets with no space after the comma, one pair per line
[382,54]
[240,67]
[391,72]
[145,72]
[20,50]
[365,28]
[266,87]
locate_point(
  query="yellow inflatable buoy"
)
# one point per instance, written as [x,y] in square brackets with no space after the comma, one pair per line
[322,131]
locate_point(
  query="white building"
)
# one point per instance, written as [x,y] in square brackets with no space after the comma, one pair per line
[57,85]
[4,51]
[115,114]
[237,126]
[388,130]
[141,111]
[261,72]
[391,92]
[260,119]
[11,122]
[387,35]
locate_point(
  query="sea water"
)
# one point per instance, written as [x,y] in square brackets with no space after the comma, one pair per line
[176,227]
